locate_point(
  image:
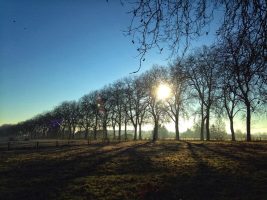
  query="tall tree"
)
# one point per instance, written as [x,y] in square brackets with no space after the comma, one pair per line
[203,73]
[105,106]
[153,78]
[179,88]
[137,103]
[118,98]
[248,69]
[69,112]
[228,101]
[86,113]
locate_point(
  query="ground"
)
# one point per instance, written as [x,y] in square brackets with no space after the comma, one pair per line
[137,170]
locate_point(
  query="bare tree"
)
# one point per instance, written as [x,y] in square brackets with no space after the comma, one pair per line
[160,23]
[157,109]
[69,113]
[136,100]
[87,113]
[105,104]
[142,103]
[156,23]
[228,102]
[178,80]
[118,98]
[202,72]
[248,69]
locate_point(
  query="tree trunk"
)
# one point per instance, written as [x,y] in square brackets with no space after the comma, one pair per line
[86,133]
[95,127]
[208,125]
[95,133]
[73,132]
[105,132]
[114,132]
[70,132]
[232,128]
[140,131]
[202,123]
[177,128]
[135,132]
[248,122]
[202,128]
[125,130]
[156,130]
[63,132]
[119,132]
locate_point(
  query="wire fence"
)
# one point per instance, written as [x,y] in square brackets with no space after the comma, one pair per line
[43,144]
[54,143]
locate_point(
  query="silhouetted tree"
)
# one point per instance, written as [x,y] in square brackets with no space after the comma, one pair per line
[153,78]
[143,103]
[178,81]
[228,102]
[203,73]
[69,112]
[118,94]
[170,23]
[137,103]
[86,113]
[248,70]
[105,110]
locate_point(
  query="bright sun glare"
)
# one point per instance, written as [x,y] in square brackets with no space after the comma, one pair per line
[163,91]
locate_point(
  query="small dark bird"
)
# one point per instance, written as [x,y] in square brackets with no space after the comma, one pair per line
[14,21]
[207,33]
[144,59]
[133,41]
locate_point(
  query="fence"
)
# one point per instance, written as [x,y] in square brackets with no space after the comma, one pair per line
[53,143]
[41,144]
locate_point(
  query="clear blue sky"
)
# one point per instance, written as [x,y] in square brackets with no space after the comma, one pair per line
[55,50]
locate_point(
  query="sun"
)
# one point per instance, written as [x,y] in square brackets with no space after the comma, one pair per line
[163,91]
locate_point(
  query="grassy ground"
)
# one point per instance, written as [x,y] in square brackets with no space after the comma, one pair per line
[137,170]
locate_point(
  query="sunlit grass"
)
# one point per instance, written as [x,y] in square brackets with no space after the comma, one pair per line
[137,170]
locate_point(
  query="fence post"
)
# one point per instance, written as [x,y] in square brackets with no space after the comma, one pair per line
[56,143]
[37,145]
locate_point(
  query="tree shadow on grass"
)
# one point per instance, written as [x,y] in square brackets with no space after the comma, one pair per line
[140,170]
[245,157]
[138,160]
[200,183]
[47,179]
[206,182]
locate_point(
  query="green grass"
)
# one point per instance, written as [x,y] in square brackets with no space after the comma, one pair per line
[137,170]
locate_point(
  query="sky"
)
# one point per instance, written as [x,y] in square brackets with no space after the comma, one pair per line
[54,50]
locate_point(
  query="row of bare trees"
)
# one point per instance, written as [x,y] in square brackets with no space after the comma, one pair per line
[218,81]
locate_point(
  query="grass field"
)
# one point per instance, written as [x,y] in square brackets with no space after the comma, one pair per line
[137,170]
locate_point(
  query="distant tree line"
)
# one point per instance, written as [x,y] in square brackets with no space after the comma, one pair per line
[211,83]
